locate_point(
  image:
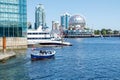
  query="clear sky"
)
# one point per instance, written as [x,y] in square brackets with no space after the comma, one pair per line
[97,13]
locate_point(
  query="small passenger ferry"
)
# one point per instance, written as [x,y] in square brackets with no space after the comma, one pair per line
[42,54]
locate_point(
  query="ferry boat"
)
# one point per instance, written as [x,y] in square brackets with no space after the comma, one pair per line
[42,54]
[43,37]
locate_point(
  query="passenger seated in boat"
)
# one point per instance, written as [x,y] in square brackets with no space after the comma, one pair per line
[50,52]
[41,51]
[45,52]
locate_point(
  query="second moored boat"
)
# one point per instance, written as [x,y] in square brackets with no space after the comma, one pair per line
[43,37]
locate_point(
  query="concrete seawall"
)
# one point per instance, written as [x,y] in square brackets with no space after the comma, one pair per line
[14,43]
[5,56]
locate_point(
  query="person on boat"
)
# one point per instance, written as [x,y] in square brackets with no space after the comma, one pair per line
[40,51]
[45,52]
[50,52]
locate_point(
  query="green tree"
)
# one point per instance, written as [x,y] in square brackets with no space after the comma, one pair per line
[109,31]
[116,32]
[103,31]
[97,32]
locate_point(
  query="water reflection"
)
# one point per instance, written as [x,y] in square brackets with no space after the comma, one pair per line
[14,68]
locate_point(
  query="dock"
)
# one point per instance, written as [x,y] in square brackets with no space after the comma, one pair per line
[7,55]
[4,55]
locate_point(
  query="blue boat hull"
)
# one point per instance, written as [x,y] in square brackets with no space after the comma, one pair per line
[35,57]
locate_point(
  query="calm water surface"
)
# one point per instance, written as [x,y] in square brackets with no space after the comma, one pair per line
[87,59]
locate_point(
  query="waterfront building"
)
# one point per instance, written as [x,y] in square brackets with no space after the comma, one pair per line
[55,25]
[40,16]
[77,28]
[13,18]
[65,20]
[77,22]
[78,33]
[55,29]
[13,22]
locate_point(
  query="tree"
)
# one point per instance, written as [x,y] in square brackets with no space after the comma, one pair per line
[103,31]
[109,31]
[116,32]
[97,32]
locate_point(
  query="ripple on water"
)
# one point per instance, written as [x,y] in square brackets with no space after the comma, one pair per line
[87,59]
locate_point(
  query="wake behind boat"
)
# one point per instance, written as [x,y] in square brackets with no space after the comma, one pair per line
[42,54]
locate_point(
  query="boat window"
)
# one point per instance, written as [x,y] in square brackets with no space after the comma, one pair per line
[29,33]
[39,38]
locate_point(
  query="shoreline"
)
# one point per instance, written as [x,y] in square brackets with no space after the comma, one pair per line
[7,55]
[89,36]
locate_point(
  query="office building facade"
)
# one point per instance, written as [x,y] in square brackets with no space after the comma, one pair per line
[55,25]
[77,28]
[13,18]
[13,23]
[65,20]
[40,16]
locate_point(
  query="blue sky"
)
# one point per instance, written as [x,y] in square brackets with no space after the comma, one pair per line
[97,13]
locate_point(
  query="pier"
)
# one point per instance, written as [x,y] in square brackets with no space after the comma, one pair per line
[4,55]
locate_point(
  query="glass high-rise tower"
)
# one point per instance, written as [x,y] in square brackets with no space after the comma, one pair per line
[65,20]
[40,16]
[13,18]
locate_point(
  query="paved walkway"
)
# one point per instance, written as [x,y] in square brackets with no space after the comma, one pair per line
[6,55]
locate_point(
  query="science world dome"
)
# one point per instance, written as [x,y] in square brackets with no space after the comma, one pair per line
[77,21]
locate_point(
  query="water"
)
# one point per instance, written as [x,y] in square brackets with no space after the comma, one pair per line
[87,59]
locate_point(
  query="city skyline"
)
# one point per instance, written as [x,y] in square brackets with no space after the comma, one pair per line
[97,14]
